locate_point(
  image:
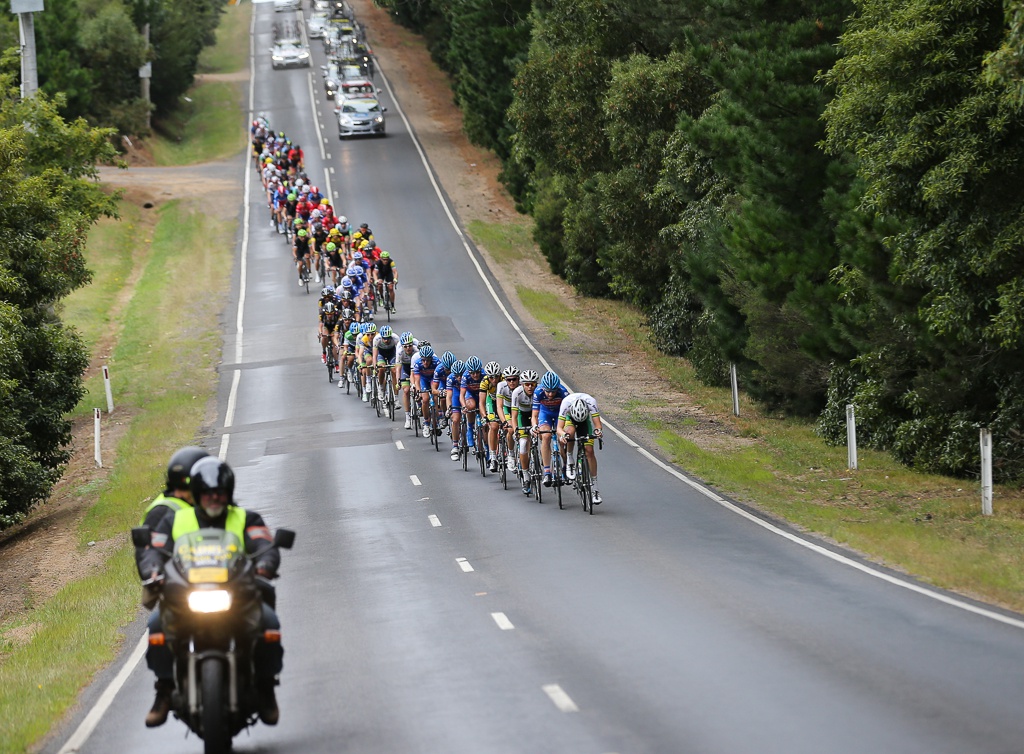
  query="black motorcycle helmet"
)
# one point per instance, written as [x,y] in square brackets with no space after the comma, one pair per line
[210,474]
[181,464]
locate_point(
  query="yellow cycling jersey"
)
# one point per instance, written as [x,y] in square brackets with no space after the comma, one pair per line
[489,385]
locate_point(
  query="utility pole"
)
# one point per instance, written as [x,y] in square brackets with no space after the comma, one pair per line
[27,30]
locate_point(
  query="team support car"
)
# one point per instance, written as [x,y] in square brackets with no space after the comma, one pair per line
[289,53]
[348,81]
[283,5]
[360,117]
[316,25]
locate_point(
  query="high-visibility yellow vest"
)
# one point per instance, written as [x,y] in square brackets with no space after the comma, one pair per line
[174,503]
[186,521]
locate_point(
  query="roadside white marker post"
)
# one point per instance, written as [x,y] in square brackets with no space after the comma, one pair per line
[851,438]
[986,472]
[734,381]
[106,386]
[96,444]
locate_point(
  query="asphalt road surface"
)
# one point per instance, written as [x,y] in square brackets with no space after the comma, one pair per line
[427,610]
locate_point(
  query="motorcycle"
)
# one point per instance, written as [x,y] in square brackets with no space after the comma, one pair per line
[210,604]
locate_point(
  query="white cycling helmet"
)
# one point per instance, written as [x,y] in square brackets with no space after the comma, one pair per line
[579,411]
[342,220]
[492,369]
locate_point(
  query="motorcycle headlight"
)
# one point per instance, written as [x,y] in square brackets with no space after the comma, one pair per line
[209,601]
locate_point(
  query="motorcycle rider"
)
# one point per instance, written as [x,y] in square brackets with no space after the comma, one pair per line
[176,494]
[212,484]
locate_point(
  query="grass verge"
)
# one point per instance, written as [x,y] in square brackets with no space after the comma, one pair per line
[205,127]
[78,631]
[927,525]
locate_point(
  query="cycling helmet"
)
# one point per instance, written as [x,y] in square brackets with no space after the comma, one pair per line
[458,367]
[371,244]
[406,339]
[299,183]
[579,411]
[330,308]
[364,226]
[492,369]
[386,331]
[473,364]
[315,215]
[334,232]
[357,256]
[346,283]
[331,246]
[527,375]
[347,314]
[210,474]
[447,359]
[316,189]
[326,202]
[364,328]
[292,197]
[341,219]
[354,328]
[299,222]
[280,134]
[385,255]
[305,190]
[352,271]
[181,464]
[303,233]
[510,371]
[426,353]
[372,328]
[326,291]
[356,236]
[550,381]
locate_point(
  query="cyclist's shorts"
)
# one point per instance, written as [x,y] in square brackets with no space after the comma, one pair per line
[547,415]
[491,408]
[456,403]
[406,372]
[424,382]
[523,423]
[366,359]
[383,358]
[349,348]
[583,428]
[301,254]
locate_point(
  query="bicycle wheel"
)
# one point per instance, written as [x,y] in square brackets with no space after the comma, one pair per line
[435,438]
[537,472]
[464,445]
[556,472]
[305,274]
[481,448]
[330,364]
[389,396]
[584,485]
[502,458]
[375,395]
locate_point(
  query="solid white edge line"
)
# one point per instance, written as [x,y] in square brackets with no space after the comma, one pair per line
[415,480]
[434,520]
[88,725]
[503,622]
[562,700]
[711,495]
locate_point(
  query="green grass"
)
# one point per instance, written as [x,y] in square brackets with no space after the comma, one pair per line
[505,243]
[928,525]
[207,125]
[231,52]
[209,128]
[164,377]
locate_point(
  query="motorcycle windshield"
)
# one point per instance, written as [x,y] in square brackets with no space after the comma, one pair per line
[208,556]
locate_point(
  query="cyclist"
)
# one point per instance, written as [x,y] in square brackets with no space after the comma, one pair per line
[452,391]
[333,262]
[469,392]
[522,415]
[344,231]
[348,357]
[578,414]
[330,329]
[438,385]
[488,395]
[364,355]
[546,403]
[406,354]
[509,382]
[300,251]
[386,272]
[385,354]
[424,365]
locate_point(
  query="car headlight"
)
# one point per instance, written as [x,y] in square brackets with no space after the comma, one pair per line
[379,119]
[303,54]
[278,57]
[209,601]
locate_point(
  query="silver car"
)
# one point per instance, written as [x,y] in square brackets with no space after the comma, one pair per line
[289,53]
[283,5]
[316,25]
[360,117]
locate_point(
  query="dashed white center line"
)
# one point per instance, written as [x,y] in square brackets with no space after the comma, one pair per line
[415,479]
[434,520]
[464,564]
[560,698]
[332,167]
[503,622]
[329,157]
[398,444]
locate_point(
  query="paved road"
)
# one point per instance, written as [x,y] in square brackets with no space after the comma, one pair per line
[668,622]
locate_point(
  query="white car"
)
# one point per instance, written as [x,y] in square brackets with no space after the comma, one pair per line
[316,25]
[360,117]
[289,53]
[283,5]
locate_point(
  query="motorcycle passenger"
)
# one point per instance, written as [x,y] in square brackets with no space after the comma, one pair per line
[212,484]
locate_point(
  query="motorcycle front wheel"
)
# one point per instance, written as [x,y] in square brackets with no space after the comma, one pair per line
[214,713]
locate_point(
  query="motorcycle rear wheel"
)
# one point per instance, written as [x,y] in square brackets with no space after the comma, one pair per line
[214,713]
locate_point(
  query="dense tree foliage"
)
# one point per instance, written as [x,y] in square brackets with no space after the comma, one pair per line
[46,209]
[90,52]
